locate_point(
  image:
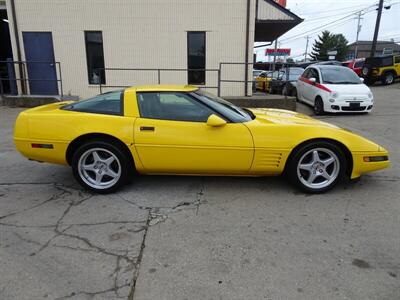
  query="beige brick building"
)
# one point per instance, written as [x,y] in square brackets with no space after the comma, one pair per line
[149,34]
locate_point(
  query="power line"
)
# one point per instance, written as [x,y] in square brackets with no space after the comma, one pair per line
[317,29]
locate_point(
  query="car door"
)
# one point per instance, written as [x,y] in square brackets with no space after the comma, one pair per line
[301,84]
[260,81]
[310,90]
[172,136]
[313,89]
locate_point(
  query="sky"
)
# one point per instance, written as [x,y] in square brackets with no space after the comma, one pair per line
[317,13]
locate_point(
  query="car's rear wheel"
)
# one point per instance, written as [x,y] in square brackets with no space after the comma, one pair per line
[319,106]
[317,167]
[101,167]
[388,78]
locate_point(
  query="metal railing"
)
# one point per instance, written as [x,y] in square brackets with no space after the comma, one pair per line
[159,73]
[11,80]
[283,66]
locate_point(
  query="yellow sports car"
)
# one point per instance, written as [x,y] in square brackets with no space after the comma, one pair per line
[263,80]
[183,130]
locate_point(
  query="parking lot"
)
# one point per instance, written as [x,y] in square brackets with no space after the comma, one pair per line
[166,237]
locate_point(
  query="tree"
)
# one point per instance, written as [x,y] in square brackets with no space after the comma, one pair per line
[329,42]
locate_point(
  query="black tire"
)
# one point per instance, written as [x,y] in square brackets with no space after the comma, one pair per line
[121,165]
[388,78]
[369,82]
[294,94]
[319,106]
[296,178]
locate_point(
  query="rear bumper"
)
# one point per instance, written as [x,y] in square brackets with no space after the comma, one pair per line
[56,154]
[361,166]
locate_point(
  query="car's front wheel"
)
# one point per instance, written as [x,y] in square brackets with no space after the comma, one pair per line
[99,166]
[317,167]
[319,107]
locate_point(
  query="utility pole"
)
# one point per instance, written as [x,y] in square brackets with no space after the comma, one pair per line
[276,47]
[378,22]
[305,54]
[358,32]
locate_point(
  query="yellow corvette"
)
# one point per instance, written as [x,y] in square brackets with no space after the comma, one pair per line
[263,80]
[184,131]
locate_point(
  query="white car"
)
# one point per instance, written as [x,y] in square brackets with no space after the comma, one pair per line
[334,89]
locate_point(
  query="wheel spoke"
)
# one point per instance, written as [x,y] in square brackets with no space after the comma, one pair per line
[96,156]
[99,177]
[109,161]
[315,156]
[311,178]
[88,167]
[111,173]
[326,175]
[328,161]
[306,167]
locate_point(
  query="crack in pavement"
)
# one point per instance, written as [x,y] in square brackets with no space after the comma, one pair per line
[156,214]
[92,294]
[139,259]
[53,197]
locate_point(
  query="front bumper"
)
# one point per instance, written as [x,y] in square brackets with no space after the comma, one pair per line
[377,161]
[350,106]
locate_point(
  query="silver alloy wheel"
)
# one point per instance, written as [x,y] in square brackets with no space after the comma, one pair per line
[99,168]
[318,168]
[389,78]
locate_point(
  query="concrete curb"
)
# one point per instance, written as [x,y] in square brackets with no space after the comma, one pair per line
[33,101]
[269,101]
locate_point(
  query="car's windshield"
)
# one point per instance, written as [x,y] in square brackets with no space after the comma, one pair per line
[227,109]
[292,75]
[257,73]
[339,75]
[274,74]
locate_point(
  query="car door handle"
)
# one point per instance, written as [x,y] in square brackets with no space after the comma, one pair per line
[147,128]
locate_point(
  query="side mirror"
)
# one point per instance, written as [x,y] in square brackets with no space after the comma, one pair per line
[215,121]
[362,80]
[313,80]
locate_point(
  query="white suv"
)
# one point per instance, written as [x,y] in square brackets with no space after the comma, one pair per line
[334,89]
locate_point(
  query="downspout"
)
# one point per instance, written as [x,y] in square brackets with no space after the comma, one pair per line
[246,74]
[16,36]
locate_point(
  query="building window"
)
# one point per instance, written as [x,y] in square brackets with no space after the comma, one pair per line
[196,41]
[95,57]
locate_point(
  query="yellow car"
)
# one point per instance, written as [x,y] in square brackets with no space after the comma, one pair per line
[184,131]
[263,80]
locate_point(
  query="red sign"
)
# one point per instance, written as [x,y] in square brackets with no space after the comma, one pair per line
[281,2]
[278,52]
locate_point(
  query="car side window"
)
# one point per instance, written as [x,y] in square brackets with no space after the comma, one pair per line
[314,74]
[174,106]
[306,73]
[110,103]
[397,59]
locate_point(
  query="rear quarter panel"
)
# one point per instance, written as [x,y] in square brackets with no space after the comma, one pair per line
[51,125]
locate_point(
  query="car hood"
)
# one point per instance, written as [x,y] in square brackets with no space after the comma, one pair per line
[349,89]
[281,116]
